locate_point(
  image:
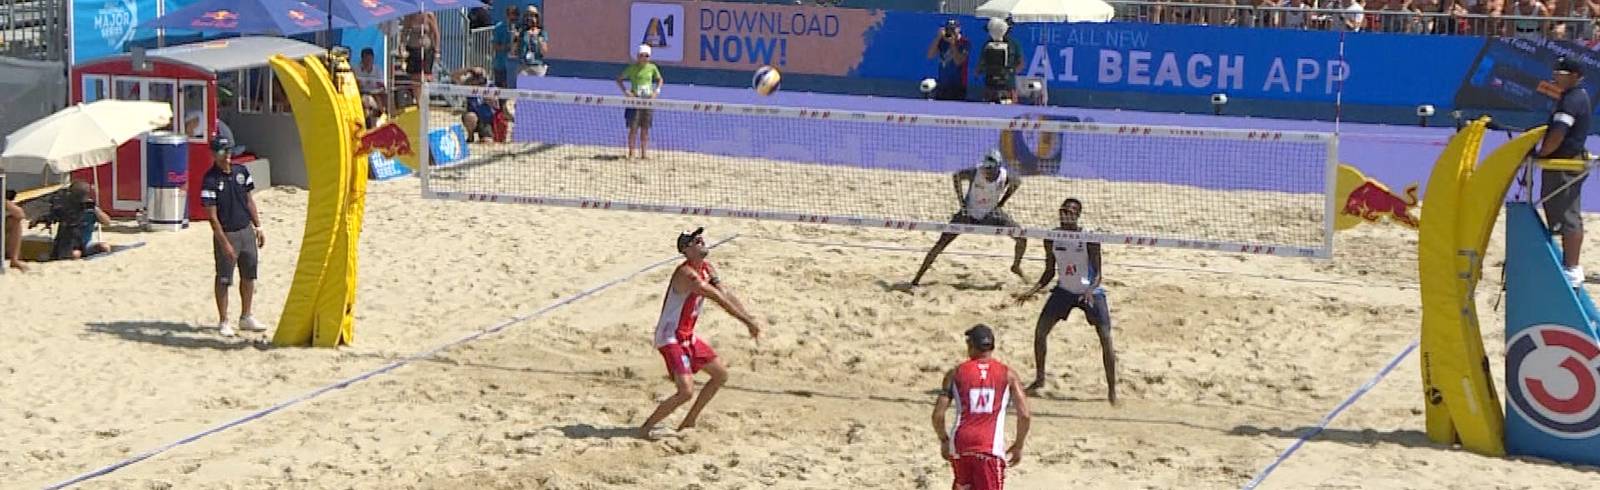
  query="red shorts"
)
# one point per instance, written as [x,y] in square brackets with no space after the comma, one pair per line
[979,472]
[687,361]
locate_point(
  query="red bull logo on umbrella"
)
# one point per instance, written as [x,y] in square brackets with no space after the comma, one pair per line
[1364,200]
[222,18]
[301,19]
[377,7]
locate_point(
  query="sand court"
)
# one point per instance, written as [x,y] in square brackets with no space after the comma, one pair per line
[1225,360]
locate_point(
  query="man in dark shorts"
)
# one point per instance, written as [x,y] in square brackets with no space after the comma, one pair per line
[1561,191]
[990,185]
[1078,264]
[644,81]
[235,230]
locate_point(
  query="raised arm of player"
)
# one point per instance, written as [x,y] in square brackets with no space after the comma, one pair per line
[732,306]
[1024,417]
[940,405]
[962,175]
[1048,274]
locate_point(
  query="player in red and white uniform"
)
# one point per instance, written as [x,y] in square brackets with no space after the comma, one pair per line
[980,388]
[684,352]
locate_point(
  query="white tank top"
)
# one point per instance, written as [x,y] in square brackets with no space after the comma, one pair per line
[1074,273]
[983,195]
[680,310]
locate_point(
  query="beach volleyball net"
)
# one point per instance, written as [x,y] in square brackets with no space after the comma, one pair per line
[1241,191]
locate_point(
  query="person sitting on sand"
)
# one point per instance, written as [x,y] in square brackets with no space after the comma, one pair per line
[75,215]
[13,239]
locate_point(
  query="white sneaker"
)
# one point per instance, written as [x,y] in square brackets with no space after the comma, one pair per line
[249,323]
[225,328]
[1574,276]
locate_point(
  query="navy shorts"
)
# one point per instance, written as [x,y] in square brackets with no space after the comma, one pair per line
[1062,302]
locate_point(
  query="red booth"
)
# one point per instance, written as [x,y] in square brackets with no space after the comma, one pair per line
[188,78]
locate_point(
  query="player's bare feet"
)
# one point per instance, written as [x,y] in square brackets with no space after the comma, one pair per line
[687,424]
[1033,387]
[1017,269]
[18,266]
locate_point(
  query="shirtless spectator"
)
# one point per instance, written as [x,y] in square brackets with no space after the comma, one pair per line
[13,239]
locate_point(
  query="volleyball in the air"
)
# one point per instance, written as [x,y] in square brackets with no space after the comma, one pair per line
[928,85]
[766,80]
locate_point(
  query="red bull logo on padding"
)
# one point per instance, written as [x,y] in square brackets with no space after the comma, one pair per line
[390,140]
[1365,200]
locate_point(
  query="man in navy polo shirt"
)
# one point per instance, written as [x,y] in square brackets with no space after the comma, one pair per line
[1561,191]
[235,229]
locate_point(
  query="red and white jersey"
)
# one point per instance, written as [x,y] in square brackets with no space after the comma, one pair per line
[980,392]
[681,309]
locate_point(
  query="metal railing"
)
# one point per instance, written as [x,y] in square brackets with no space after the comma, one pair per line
[480,48]
[34,29]
[1574,26]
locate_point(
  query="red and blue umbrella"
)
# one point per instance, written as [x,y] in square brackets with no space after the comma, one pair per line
[372,12]
[279,17]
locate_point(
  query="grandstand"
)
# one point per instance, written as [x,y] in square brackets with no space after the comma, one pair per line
[33,29]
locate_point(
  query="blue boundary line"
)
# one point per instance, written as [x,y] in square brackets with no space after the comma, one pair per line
[363,376]
[1327,419]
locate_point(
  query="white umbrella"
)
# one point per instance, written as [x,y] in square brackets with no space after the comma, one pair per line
[81,136]
[1048,10]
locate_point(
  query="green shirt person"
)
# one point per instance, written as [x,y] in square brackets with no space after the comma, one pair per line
[644,81]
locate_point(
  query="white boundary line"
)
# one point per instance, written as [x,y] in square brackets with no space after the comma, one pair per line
[1328,419]
[493,329]
[1262,135]
[929,226]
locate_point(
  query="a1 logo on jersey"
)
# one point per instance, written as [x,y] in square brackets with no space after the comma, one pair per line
[1552,373]
[660,26]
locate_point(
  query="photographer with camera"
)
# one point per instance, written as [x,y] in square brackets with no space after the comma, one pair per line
[74,214]
[999,63]
[952,50]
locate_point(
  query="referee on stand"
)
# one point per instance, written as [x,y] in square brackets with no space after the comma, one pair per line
[1561,190]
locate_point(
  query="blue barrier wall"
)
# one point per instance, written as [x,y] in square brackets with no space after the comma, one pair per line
[1169,68]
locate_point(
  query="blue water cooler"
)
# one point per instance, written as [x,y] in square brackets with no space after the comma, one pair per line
[166,195]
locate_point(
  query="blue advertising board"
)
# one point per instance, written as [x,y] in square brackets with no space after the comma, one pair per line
[887,52]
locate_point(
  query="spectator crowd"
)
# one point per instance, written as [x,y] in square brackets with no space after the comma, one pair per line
[1528,19]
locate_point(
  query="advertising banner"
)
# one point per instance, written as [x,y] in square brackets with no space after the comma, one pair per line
[1265,64]
[734,36]
[103,28]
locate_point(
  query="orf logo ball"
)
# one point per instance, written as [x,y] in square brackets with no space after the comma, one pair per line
[1552,373]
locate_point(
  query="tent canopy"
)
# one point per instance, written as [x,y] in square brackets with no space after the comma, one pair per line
[224,55]
[1048,10]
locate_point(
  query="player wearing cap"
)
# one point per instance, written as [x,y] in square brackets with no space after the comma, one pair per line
[644,81]
[1078,265]
[990,185]
[235,232]
[684,352]
[980,389]
[1561,190]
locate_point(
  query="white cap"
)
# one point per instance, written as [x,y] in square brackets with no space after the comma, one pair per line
[644,49]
